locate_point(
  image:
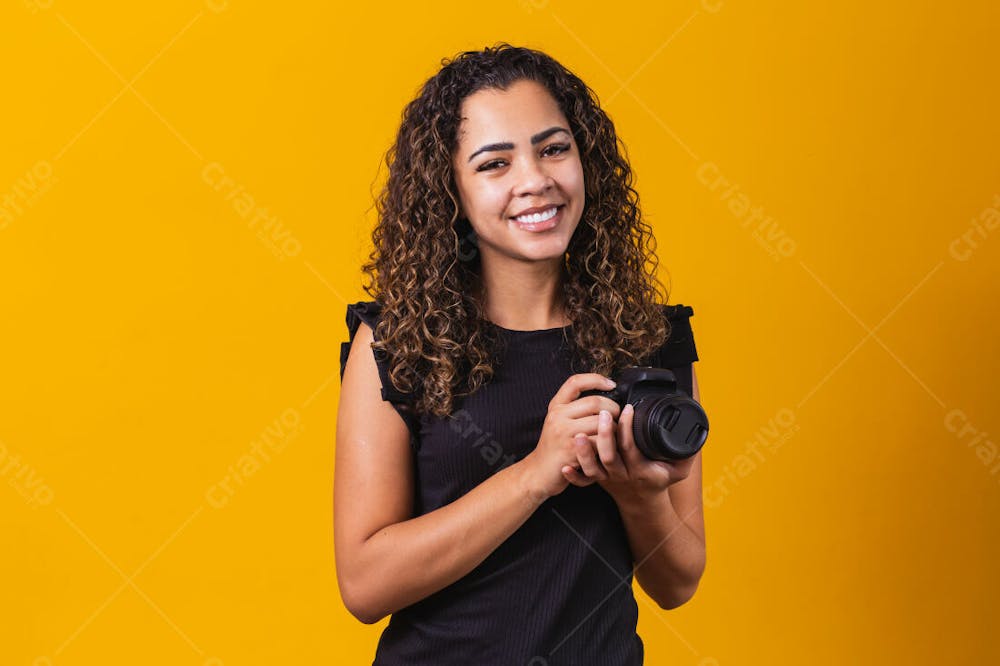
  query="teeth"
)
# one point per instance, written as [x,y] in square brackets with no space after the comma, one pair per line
[537,217]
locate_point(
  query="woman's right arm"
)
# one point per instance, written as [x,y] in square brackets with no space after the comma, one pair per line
[386,559]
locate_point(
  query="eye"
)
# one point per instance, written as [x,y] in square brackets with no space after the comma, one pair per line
[549,151]
[556,148]
[489,165]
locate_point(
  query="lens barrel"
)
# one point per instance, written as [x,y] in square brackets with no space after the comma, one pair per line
[669,428]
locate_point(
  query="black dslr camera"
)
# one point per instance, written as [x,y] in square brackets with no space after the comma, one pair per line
[667,424]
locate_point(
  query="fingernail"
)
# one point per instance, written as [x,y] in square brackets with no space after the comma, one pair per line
[610,382]
[628,409]
[605,416]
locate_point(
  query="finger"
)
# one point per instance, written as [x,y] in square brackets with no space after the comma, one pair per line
[588,459]
[631,455]
[607,447]
[586,426]
[591,405]
[574,476]
[572,387]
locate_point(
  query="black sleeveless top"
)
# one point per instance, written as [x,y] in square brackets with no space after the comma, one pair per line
[559,589]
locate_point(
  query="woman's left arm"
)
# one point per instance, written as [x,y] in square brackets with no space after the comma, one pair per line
[666,535]
[660,505]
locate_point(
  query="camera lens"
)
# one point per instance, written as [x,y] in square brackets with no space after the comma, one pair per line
[670,428]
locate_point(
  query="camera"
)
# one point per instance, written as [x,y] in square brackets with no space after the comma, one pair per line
[667,424]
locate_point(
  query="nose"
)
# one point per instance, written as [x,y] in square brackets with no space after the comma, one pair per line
[532,177]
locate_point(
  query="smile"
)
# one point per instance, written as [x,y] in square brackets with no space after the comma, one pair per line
[539,221]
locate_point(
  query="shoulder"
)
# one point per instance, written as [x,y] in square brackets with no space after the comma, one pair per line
[678,352]
[367,313]
[677,312]
[362,311]
[679,348]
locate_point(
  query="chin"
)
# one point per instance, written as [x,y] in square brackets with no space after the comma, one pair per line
[551,255]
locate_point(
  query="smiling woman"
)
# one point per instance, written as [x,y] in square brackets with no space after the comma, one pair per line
[523,195]
[479,500]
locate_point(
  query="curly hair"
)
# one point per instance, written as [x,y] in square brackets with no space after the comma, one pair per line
[424,267]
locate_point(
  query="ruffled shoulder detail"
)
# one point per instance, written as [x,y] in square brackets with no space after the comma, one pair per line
[368,312]
[679,351]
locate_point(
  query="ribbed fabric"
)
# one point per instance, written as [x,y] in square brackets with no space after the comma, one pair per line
[559,589]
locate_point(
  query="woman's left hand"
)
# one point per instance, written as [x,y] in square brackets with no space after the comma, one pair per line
[617,465]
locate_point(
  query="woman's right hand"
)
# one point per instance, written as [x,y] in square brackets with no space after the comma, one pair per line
[568,415]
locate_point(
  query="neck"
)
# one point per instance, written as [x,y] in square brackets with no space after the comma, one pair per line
[524,296]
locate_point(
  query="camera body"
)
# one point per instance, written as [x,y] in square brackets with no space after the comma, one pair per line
[667,424]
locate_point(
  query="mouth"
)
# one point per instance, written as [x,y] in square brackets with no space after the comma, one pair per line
[540,221]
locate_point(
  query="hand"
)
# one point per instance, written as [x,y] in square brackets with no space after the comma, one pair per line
[567,415]
[612,460]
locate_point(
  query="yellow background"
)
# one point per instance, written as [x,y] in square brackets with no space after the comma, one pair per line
[187,192]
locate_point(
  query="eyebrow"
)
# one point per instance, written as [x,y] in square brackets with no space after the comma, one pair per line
[507,145]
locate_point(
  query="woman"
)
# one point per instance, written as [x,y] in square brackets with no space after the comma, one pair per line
[479,500]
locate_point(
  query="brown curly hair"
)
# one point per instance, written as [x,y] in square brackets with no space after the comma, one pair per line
[424,269]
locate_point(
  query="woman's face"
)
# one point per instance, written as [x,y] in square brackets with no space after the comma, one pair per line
[518,173]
